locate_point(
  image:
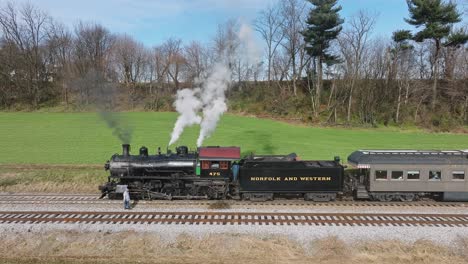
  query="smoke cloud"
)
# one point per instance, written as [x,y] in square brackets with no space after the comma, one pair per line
[103,94]
[119,128]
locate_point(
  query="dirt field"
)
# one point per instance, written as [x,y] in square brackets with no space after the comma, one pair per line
[130,247]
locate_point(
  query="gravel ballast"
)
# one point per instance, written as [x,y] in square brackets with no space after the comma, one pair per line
[437,234]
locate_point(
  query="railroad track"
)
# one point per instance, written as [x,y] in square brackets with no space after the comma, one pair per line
[94,199]
[224,218]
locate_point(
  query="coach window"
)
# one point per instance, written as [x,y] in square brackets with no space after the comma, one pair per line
[435,175]
[413,175]
[397,175]
[458,175]
[380,174]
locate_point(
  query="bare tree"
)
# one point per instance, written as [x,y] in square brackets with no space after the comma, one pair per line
[175,60]
[130,59]
[159,65]
[60,49]
[226,44]
[93,44]
[353,43]
[294,13]
[196,58]
[24,31]
[269,24]
[92,54]
[423,51]
[405,62]
[280,66]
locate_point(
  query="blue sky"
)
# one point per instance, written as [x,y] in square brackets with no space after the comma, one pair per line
[153,21]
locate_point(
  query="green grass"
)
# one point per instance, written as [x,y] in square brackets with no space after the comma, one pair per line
[83,138]
[52,179]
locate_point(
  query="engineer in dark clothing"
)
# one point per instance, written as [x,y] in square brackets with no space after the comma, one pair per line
[126,199]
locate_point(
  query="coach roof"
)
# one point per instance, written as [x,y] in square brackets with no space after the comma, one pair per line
[368,157]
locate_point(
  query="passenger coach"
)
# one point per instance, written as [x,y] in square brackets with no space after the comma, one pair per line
[406,175]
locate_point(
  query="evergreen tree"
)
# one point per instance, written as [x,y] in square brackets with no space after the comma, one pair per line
[323,26]
[455,41]
[436,19]
[401,37]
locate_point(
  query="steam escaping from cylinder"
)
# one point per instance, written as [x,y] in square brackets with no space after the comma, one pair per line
[187,105]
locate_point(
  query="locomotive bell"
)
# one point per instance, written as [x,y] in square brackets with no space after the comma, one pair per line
[182,150]
[126,150]
[144,151]
[337,159]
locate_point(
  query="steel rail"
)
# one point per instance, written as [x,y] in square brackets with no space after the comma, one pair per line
[94,199]
[235,218]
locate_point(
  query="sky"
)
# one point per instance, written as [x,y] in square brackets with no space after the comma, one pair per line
[153,21]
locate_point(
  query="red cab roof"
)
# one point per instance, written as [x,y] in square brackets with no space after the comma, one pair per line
[219,153]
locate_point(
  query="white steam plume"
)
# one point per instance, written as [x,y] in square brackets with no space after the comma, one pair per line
[210,98]
[251,54]
[188,105]
[214,100]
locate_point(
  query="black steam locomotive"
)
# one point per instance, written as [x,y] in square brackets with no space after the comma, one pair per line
[221,173]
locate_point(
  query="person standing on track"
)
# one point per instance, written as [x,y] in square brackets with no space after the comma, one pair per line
[126,199]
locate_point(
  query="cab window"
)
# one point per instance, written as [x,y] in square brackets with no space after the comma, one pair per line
[205,165]
[224,165]
[215,165]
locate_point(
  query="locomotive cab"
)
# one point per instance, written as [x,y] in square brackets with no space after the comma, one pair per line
[215,162]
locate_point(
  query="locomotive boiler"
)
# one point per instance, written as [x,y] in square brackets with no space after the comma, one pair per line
[160,176]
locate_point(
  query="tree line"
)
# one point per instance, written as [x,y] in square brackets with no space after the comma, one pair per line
[325,68]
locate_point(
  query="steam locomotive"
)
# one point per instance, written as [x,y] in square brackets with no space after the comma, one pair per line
[221,173]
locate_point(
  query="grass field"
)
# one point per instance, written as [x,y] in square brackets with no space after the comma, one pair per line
[54,179]
[83,138]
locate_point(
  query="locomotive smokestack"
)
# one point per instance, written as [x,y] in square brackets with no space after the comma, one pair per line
[126,150]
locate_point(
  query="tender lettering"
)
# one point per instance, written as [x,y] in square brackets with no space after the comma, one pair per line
[277,179]
[265,178]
